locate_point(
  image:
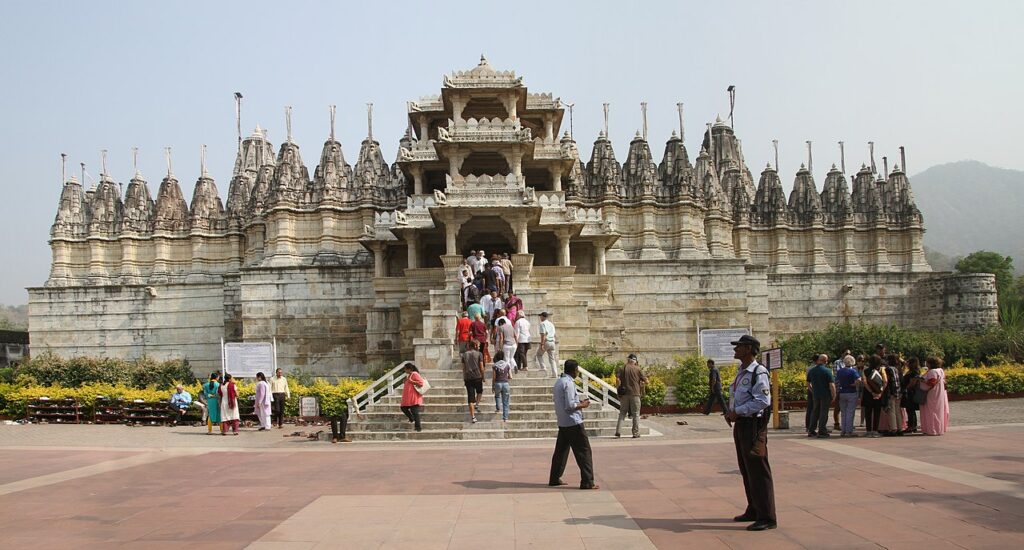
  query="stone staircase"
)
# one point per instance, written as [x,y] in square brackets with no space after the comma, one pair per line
[445,414]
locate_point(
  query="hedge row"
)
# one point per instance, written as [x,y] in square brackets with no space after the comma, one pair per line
[689,375]
[332,397]
[48,369]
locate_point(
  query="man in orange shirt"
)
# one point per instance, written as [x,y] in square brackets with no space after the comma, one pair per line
[462,332]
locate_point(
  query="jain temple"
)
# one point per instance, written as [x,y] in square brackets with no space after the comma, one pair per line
[351,266]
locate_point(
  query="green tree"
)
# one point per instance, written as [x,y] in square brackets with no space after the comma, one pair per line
[984,261]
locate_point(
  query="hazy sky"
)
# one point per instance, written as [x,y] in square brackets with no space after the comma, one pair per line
[942,78]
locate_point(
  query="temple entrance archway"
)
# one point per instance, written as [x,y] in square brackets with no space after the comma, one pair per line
[490,233]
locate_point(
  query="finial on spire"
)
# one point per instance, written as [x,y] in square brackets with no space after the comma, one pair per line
[711,141]
[605,105]
[202,160]
[871,151]
[63,168]
[238,117]
[810,158]
[775,146]
[103,163]
[842,157]
[903,159]
[288,123]
[369,118]
[675,134]
[333,108]
[885,166]
[483,60]
[135,162]
[167,159]
[643,114]
[682,132]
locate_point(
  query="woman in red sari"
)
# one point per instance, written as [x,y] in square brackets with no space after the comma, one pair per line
[228,406]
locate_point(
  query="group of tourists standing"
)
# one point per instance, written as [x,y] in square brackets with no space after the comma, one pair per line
[890,390]
[220,395]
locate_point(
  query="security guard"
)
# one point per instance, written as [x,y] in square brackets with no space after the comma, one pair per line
[749,399]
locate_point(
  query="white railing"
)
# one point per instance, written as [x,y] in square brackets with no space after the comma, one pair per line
[389,384]
[597,390]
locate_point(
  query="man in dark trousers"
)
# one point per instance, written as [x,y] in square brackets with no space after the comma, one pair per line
[571,433]
[749,398]
[714,389]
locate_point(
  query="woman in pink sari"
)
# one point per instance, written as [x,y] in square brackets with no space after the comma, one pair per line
[935,411]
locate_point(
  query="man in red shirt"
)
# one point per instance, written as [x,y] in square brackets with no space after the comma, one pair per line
[478,332]
[462,332]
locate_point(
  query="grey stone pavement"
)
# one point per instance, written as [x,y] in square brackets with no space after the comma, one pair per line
[110,486]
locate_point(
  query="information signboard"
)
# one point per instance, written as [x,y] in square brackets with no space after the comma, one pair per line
[772,358]
[714,342]
[308,407]
[245,359]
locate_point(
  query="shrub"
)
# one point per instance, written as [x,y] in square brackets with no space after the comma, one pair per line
[596,364]
[691,380]
[48,369]
[654,393]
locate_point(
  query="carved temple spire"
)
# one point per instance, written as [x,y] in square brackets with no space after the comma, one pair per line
[676,172]
[804,201]
[639,173]
[770,208]
[72,221]
[901,208]
[371,170]
[291,177]
[138,206]
[706,176]
[332,175]
[206,212]
[106,211]
[604,173]
[577,174]
[835,199]
[867,204]
[171,212]
[255,152]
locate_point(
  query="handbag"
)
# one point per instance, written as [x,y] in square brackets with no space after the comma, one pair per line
[422,389]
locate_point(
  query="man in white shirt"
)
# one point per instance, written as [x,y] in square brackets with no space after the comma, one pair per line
[481,261]
[548,344]
[522,340]
[488,303]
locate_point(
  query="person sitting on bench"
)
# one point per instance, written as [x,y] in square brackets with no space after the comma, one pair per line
[180,402]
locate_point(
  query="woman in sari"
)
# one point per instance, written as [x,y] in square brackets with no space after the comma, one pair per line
[263,401]
[513,305]
[935,410]
[210,392]
[228,406]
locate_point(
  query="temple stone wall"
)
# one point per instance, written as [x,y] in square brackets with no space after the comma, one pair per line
[317,314]
[180,321]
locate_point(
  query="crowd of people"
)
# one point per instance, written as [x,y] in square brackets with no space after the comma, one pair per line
[493,329]
[896,397]
[218,401]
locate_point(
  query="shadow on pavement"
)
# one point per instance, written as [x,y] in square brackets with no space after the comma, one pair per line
[687,525]
[492,484]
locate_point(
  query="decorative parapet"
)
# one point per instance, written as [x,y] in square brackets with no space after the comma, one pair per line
[429,103]
[542,101]
[418,152]
[483,76]
[483,130]
[551,199]
[544,150]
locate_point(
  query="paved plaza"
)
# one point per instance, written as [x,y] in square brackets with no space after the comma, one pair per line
[113,486]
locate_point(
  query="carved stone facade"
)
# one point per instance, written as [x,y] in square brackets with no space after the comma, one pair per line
[355,265]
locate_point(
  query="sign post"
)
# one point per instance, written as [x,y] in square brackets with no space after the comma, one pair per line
[715,342]
[772,359]
[245,359]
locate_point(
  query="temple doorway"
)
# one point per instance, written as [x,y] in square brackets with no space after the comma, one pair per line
[490,233]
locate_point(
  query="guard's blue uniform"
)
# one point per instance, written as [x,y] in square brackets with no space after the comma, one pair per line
[749,397]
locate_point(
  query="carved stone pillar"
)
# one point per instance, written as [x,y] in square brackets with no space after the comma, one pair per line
[424,128]
[458,104]
[563,248]
[379,269]
[451,231]
[455,160]
[549,131]
[522,266]
[417,179]
[599,260]
[412,241]
[519,227]
[556,177]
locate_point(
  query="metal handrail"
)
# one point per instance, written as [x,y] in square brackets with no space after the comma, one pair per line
[386,385]
[597,389]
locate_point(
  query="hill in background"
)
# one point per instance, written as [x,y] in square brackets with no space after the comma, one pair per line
[970,206]
[14,317]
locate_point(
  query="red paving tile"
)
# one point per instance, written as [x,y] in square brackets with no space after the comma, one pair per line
[680,495]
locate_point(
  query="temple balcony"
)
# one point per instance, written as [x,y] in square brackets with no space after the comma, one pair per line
[542,102]
[484,131]
[421,151]
[550,150]
[425,104]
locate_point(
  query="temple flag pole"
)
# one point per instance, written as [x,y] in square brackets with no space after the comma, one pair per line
[202,160]
[903,159]
[167,158]
[606,121]
[775,146]
[643,114]
[732,105]
[682,133]
[369,121]
[842,157]
[63,168]
[810,159]
[333,108]
[885,167]
[871,151]
[238,117]
[288,122]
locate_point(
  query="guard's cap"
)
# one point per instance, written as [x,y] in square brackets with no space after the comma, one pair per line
[747,340]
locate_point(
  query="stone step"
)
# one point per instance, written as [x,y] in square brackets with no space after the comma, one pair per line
[460,406]
[484,422]
[471,434]
[486,408]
